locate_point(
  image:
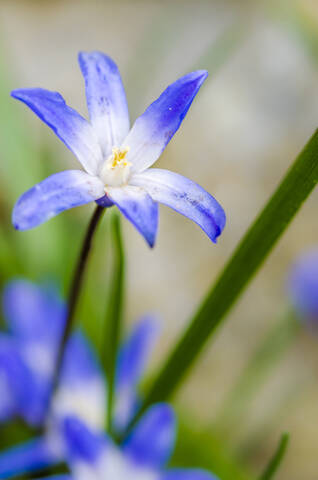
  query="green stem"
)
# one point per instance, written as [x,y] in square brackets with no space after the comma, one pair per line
[75,290]
[277,458]
[114,315]
[251,252]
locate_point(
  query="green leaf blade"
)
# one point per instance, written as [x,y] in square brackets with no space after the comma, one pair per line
[114,313]
[277,458]
[250,254]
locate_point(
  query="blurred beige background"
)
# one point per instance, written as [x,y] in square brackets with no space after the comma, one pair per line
[247,124]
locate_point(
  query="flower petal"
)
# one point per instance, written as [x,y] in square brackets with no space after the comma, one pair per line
[24,390]
[36,317]
[188,474]
[154,129]
[106,99]
[82,389]
[57,193]
[80,363]
[26,458]
[302,286]
[58,477]
[81,442]
[93,455]
[184,196]
[132,361]
[151,442]
[135,351]
[33,312]
[139,208]
[11,373]
[77,134]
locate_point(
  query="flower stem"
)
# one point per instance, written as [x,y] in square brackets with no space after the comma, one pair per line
[114,315]
[75,290]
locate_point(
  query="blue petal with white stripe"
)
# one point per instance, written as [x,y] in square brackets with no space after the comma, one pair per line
[106,99]
[33,312]
[26,458]
[152,440]
[82,389]
[77,134]
[57,193]
[143,456]
[82,443]
[35,317]
[154,129]
[185,197]
[24,390]
[13,375]
[132,360]
[139,208]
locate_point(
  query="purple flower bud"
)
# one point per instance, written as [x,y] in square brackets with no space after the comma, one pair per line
[303,285]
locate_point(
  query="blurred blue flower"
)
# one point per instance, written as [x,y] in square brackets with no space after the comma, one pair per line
[143,456]
[302,286]
[35,317]
[116,161]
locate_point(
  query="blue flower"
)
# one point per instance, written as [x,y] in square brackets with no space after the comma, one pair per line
[302,286]
[116,160]
[143,456]
[35,317]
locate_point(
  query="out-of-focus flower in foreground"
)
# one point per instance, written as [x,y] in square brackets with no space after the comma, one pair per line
[143,456]
[302,286]
[116,160]
[28,352]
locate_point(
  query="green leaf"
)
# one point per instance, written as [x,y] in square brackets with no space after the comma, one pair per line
[277,458]
[197,447]
[114,312]
[250,254]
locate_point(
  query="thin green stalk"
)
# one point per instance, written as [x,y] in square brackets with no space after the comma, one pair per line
[75,289]
[288,400]
[277,458]
[251,252]
[257,370]
[114,314]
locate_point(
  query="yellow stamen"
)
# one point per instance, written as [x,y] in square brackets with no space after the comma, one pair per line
[118,157]
[116,169]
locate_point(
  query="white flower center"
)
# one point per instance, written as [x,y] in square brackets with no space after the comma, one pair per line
[87,402]
[116,169]
[112,465]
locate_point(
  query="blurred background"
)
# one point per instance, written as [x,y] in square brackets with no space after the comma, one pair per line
[255,112]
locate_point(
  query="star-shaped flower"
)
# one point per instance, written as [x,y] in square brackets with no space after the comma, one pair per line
[116,160]
[143,456]
[35,316]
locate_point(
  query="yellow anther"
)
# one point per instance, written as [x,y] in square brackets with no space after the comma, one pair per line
[118,157]
[116,169]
